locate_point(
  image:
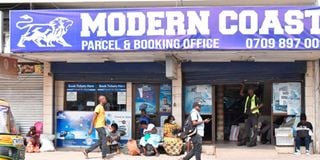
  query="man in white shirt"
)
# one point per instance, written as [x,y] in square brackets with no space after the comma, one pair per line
[196,139]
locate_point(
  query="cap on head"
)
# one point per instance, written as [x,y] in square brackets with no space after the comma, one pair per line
[195,104]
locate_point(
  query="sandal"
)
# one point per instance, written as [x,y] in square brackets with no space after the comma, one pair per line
[85,154]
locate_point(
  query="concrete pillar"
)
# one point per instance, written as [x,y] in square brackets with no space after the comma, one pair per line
[47,99]
[317,105]
[129,102]
[129,97]
[312,99]
[59,96]
[220,113]
[177,96]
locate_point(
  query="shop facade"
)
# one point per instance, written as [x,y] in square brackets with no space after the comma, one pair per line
[164,59]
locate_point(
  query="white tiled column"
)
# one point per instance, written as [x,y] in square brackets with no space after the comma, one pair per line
[59,96]
[129,102]
[129,97]
[317,105]
[177,96]
[312,99]
[47,99]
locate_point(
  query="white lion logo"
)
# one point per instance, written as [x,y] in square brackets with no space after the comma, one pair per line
[43,35]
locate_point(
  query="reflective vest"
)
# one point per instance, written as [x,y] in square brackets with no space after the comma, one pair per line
[253,104]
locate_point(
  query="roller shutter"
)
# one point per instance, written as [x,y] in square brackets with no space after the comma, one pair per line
[236,72]
[25,95]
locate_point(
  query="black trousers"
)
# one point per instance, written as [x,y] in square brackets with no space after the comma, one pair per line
[251,125]
[197,148]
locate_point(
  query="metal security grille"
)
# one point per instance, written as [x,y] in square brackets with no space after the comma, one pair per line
[25,95]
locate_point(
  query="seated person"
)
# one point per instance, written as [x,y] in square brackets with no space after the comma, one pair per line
[113,136]
[172,144]
[33,141]
[145,119]
[304,133]
[150,137]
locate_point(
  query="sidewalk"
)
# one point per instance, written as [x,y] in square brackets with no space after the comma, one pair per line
[228,155]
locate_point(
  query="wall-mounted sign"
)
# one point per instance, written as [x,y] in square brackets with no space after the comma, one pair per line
[111,87]
[81,87]
[8,67]
[188,28]
[30,68]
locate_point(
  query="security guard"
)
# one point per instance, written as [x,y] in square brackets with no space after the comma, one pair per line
[251,109]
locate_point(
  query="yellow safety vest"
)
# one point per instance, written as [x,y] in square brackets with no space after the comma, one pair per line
[253,105]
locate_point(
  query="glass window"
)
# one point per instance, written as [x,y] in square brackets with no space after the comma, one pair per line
[80,96]
[116,95]
[84,96]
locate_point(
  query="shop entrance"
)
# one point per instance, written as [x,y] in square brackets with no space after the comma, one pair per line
[272,81]
[230,108]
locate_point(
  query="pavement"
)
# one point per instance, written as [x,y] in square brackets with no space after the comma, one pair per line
[222,153]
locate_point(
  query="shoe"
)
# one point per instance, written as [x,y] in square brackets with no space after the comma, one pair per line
[307,152]
[241,144]
[298,153]
[251,145]
[85,154]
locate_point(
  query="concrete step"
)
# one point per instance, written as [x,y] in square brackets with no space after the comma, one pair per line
[225,151]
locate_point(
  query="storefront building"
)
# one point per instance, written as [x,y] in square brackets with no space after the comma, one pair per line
[164,59]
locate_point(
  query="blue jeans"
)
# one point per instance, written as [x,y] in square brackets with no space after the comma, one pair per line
[102,142]
[299,140]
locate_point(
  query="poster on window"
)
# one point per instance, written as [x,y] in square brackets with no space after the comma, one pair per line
[145,98]
[121,97]
[201,94]
[165,98]
[71,96]
[287,98]
[73,126]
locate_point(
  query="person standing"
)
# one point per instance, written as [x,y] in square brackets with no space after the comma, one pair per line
[99,123]
[251,109]
[196,140]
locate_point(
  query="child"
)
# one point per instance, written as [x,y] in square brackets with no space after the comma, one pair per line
[113,136]
[33,141]
[150,137]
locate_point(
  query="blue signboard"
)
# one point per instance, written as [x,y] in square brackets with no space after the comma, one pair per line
[171,28]
[81,87]
[111,87]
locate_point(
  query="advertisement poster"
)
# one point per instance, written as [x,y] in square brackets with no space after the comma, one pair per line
[72,127]
[201,94]
[146,98]
[287,98]
[165,98]
[29,68]
[71,96]
[122,98]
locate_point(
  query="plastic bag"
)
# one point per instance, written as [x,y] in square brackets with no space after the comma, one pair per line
[46,143]
[133,147]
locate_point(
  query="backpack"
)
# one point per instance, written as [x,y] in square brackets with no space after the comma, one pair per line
[39,128]
[188,128]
